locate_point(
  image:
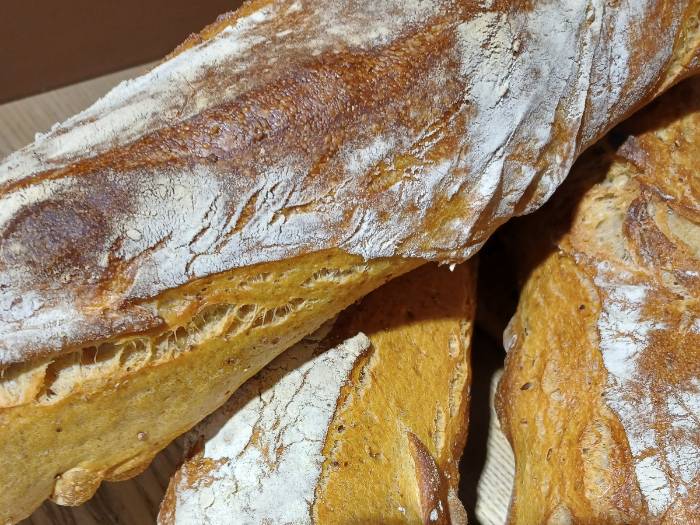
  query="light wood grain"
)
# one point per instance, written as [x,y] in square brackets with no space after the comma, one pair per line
[495,481]
[487,466]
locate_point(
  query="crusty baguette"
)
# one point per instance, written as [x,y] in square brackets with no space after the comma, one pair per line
[302,136]
[601,394]
[104,412]
[363,424]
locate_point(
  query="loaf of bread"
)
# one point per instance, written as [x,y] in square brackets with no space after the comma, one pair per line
[362,424]
[601,393]
[161,247]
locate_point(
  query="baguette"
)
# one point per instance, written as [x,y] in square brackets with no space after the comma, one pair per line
[104,412]
[601,393]
[161,247]
[363,425]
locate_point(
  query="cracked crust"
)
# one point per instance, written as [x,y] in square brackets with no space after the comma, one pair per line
[285,132]
[380,128]
[601,394]
[382,396]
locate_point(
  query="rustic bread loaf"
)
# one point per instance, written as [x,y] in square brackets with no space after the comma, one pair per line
[103,412]
[601,393]
[159,248]
[364,423]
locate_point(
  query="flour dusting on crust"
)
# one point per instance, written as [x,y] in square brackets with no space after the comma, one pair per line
[650,307]
[380,128]
[266,442]
[662,422]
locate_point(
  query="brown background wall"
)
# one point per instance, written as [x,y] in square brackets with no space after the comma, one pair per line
[45,44]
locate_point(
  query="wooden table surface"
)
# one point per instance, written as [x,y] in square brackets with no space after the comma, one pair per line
[487,464]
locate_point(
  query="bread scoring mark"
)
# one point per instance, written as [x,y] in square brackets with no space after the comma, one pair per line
[219,158]
[154,212]
[431,484]
[267,440]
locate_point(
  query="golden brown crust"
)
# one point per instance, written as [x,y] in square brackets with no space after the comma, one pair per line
[394,434]
[415,92]
[109,427]
[408,425]
[601,394]
[569,448]
[375,135]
